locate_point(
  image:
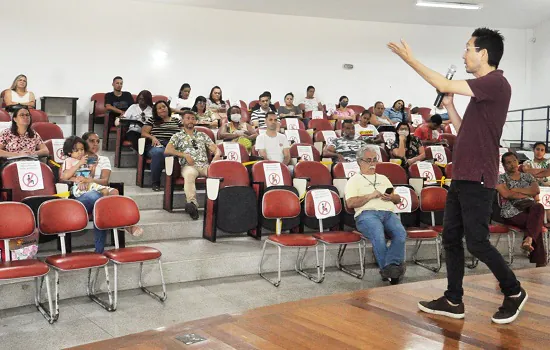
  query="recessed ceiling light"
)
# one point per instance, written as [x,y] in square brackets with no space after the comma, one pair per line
[449,5]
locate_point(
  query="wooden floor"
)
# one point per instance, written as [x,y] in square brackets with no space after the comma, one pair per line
[379,318]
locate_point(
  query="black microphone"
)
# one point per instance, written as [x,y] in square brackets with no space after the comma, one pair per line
[450,73]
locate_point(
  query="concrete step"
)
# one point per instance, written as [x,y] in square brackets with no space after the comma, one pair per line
[147,199]
[195,259]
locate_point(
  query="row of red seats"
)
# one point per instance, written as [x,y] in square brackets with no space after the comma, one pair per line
[36,115]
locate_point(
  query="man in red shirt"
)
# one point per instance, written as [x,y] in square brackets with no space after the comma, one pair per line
[429,132]
[475,157]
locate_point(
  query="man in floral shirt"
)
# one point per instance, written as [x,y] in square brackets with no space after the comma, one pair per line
[192,148]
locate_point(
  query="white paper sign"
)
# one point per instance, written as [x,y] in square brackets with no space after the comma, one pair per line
[57,146]
[351,169]
[273,174]
[389,138]
[501,151]
[317,115]
[453,129]
[324,204]
[329,135]
[292,124]
[416,119]
[5,125]
[405,206]
[545,197]
[378,153]
[30,175]
[305,153]
[293,136]
[232,151]
[438,154]
[426,171]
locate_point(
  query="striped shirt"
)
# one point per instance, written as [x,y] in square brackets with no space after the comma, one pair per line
[165,130]
[259,116]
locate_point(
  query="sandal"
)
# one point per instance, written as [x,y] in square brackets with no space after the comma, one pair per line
[135,231]
[527,245]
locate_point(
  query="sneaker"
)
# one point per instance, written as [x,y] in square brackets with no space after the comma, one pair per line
[510,308]
[442,307]
[156,187]
[192,210]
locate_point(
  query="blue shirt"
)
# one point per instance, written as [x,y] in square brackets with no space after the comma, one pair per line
[394,116]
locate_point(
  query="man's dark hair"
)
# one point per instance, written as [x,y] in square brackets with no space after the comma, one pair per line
[492,41]
[184,86]
[377,102]
[70,143]
[436,119]
[268,94]
[116,78]
[540,144]
[265,94]
[310,87]
[190,112]
[508,154]
[289,94]
[346,121]
[270,113]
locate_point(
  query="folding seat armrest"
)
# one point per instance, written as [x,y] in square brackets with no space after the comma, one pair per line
[141,145]
[340,184]
[169,165]
[213,187]
[300,184]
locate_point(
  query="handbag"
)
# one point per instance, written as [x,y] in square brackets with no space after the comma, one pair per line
[523,204]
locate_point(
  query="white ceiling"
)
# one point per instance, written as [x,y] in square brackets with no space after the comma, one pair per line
[495,13]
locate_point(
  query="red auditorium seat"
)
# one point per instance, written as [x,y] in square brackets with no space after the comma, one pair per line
[302,137]
[48,131]
[309,115]
[243,154]
[414,172]
[357,109]
[4,116]
[296,157]
[425,112]
[320,124]
[18,222]
[451,139]
[448,154]
[157,98]
[301,125]
[173,176]
[97,109]
[51,223]
[10,181]
[115,213]
[314,173]
[252,104]
[279,204]
[449,171]
[38,116]
[395,173]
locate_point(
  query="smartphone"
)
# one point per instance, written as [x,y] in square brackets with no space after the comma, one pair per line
[389,190]
[91,160]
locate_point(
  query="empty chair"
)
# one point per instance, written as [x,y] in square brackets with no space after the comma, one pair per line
[38,116]
[427,175]
[395,173]
[157,98]
[97,110]
[281,204]
[425,112]
[48,131]
[304,152]
[309,114]
[252,104]
[357,109]
[10,181]
[314,174]
[298,136]
[18,222]
[320,124]
[4,116]
[295,124]
[115,213]
[240,156]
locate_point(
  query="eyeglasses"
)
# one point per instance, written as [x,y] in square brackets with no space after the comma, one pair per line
[369,160]
[471,47]
[24,115]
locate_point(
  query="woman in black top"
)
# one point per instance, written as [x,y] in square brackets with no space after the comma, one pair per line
[407,147]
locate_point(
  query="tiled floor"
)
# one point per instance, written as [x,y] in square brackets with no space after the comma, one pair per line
[82,321]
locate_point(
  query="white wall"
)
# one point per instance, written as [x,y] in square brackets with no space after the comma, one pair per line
[74,48]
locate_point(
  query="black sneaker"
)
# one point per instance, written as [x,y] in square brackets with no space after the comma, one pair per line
[156,187]
[510,309]
[442,307]
[192,210]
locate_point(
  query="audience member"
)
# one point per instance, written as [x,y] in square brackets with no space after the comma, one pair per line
[520,209]
[378,119]
[442,111]
[205,117]
[159,129]
[365,130]
[407,147]
[216,104]
[397,113]
[272,106]
[117,101]
[342,112]
[273,145]
[18,94]
[344,149]
[289,109]
[236,130]
[258,116]
[140,112]
[539,167]
[371,196]
[192,148]
[310,103]
[20,139]
[429,132]
[183,101]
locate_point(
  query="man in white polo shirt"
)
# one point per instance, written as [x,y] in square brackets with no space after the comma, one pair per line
[273,145]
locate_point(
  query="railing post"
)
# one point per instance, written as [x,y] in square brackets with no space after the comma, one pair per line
[547,123]
[521,137]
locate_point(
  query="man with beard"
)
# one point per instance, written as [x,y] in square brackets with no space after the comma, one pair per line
[343,149]
[192,148]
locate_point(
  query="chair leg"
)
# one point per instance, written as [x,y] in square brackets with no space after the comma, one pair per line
[424,265]
[90,290]
[56,316]
[38,289]
[152,294]
[275,283]
[299,266]
[343,268]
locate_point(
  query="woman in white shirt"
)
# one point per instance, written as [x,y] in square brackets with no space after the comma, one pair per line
[310,103]
[18,94]
[140,112]
[183,101]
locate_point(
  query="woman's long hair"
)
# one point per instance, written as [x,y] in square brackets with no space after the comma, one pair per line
[409,138]
[340,100]
[14,84]
[156,118]
[13,127]
[402,109]
[147,96]
[211,91]
[197,100]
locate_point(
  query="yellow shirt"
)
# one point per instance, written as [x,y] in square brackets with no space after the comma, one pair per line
[361,185]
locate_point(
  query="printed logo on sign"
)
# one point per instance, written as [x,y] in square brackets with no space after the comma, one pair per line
[305,157]
[351,173]
[30,179]
[60,154]
[274,179]
[378,157]
[324,207]
[293,139]
[292,127]
[232,156]
[439,157]
[403,204]
[427,175]
[546,200]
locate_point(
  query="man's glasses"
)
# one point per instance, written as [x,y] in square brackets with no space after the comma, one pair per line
[471,47]
[369,160]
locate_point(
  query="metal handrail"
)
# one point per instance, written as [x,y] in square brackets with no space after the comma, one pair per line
[522,121]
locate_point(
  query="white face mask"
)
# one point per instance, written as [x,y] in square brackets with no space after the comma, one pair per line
[235,118]
[403,132]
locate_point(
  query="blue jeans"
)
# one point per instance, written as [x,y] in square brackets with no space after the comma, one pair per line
[89,199]
[157,161]
[373,224]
